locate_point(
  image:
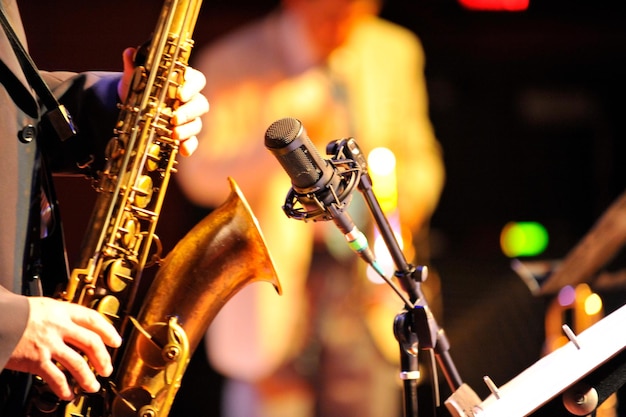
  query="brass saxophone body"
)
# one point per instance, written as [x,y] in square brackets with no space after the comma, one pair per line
[223,253]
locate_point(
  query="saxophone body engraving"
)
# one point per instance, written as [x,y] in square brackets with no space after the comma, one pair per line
[223,253]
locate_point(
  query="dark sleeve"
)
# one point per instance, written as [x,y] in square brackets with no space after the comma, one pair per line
[91,99]
[14,311]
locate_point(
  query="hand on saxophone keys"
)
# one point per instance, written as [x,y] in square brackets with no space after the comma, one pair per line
[186,121]
[62,332]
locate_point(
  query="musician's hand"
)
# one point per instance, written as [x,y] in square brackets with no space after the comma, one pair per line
[187,118]
[54,332]
[186,121]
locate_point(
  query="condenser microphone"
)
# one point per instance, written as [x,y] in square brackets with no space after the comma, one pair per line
[316,183]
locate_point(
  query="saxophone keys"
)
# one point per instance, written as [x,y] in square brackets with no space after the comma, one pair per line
[176,78]
[153,157]
[118,276]
[129,231]
[143,191]
[138,82]
[114,148]
[109,307]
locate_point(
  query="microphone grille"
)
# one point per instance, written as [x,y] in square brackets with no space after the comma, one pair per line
[282,132]
[287,140]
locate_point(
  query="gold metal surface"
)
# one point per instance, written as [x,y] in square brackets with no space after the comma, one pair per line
[218,257]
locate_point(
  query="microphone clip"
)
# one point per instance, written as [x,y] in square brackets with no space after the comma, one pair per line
[323,202]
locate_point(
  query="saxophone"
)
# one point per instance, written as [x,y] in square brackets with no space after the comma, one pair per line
[224,252]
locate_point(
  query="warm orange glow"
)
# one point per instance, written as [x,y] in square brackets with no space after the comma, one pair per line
[383,257]
[496,5]
[382,169]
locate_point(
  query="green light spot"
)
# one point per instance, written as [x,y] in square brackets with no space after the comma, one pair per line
[523,239]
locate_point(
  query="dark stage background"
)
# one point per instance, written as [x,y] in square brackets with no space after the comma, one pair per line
[528,108]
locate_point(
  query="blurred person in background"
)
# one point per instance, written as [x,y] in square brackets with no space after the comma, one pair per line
[326,346]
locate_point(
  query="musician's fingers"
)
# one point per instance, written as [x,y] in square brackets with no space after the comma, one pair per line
[195,81]
[78,367]
[56,380]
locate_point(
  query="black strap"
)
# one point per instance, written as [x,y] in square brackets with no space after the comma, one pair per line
[18,93]
[57,114]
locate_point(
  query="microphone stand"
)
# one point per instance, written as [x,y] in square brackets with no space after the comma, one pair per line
[415,327]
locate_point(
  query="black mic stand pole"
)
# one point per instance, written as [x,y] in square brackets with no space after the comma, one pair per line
[415,327]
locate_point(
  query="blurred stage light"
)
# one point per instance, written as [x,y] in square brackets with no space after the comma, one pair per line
[567,296]
[382,169]
[523,239]
[593,304]
[496,5]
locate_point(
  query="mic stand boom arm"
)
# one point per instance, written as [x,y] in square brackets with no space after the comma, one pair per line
[415,327]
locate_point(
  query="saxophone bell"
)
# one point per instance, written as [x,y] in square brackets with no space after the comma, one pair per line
[219,256]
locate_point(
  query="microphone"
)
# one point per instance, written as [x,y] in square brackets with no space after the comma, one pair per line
[317,184]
